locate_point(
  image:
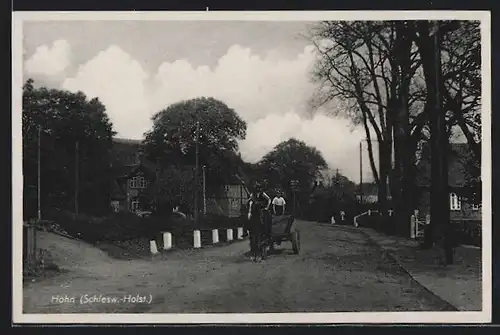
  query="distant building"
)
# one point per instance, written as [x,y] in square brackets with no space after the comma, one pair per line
[460,209]
[231,202]
[135,176]
[369,193]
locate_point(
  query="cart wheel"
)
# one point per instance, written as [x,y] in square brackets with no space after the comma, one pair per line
[296,241]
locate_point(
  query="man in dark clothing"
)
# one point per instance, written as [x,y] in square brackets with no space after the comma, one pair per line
[258,208]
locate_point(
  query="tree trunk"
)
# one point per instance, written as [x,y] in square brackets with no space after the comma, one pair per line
[401,128]
[439,139]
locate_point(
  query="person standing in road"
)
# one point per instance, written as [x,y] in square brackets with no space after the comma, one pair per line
[279,204]
[258,205]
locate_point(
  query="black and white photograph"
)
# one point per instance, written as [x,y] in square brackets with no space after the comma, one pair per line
[251,167]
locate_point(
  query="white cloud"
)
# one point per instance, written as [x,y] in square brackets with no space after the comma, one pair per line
[255,87]
[120,83]
[49,60]
[332,137]
[270,93]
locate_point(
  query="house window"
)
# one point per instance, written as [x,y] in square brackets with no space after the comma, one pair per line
[475,207]
[133,182]
[134,205]
[115,205]
[137,182]
[455,203]
[141,182]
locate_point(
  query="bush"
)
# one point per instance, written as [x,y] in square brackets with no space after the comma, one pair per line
[219,221]
[115,227]
[468,232]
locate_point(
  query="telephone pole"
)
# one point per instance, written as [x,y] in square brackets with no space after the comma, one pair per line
[361,172]
[39,174]
[196,177]
[204,190]
[77,179]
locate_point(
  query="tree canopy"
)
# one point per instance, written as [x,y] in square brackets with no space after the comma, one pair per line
[172,139]
[64,119]
[293,160]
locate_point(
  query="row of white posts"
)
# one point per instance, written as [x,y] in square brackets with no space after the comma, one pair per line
[167,239]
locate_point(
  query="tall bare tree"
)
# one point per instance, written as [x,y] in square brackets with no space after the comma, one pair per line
[370,68]
[383,75]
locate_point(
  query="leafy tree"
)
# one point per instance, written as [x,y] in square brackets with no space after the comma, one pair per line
[370,67]
[172,140]
[64,119]
[293,160]
[342,189]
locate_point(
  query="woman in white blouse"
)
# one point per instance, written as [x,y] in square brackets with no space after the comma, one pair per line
[279,204]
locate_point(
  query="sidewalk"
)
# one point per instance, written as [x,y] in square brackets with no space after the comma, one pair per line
[459,284]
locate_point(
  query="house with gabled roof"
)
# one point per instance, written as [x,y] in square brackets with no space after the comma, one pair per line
[133,176]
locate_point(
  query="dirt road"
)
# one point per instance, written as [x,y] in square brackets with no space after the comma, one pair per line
[337,270]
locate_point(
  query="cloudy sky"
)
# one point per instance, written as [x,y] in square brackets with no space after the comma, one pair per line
[136,68]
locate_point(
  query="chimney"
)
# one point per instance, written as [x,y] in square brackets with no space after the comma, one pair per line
[139,157]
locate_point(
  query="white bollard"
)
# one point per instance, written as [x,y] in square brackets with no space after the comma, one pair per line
[167,241]
[355,222]
[369,212]
[239,233]
[332,220]
[215,236]
[152,247]
[196,239]
[413,227]
[229,235]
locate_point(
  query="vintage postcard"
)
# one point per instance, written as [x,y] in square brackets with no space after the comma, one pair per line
[251,167]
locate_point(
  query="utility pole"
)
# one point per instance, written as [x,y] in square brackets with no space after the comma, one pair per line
[77,179]
[196,177]
[39,174]
[204,190]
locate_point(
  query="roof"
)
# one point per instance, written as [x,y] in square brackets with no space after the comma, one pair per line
[126,157]
[123,171]
[125,151]
[117,192]
[456,170]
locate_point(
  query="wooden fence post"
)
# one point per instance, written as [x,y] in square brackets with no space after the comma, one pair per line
[29,245]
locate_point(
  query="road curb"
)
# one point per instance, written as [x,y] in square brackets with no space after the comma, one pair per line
[408,272]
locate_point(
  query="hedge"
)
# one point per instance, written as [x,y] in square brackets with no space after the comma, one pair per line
[128,226]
